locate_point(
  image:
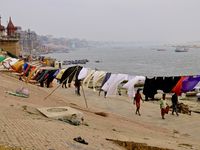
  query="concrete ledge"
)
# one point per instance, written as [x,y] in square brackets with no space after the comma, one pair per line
[65,113]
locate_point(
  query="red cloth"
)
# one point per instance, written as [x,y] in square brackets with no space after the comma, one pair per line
[167,109]
[137,99]
[164,111]
[137,105]
[178,86]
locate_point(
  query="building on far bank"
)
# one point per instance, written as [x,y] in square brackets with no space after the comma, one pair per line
[29,42]
[9,38]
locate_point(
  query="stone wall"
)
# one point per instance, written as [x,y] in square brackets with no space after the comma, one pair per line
[11,46]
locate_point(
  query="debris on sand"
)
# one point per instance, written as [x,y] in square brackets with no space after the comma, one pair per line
[103,114]
[129,145]
[80,140]
[9,148]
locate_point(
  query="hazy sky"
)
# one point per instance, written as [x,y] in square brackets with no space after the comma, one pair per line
[116,20]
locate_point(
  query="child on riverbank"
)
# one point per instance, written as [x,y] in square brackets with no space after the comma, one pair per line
[164,106]
[136,101]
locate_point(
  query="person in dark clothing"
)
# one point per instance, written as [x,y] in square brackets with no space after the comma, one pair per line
[78,85]
[77,81]
[174,104]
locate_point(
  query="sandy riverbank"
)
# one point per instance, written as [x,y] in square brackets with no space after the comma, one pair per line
[21,125]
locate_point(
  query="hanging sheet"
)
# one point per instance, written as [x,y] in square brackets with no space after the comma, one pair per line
[189,83]
[83,73]
[178,87]
[131,84]
[108,83]
[117,80]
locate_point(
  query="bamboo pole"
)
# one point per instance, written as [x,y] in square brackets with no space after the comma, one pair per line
[52,92]
[60,84]
[84,96]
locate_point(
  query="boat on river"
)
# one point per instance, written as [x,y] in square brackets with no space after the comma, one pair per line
[181,49]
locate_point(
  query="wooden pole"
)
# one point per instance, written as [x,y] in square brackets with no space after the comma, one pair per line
[84,96]
[60,84]
[52,91]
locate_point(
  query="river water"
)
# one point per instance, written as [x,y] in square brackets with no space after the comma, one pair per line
[138,60]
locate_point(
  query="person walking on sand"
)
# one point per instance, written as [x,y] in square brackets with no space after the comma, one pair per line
[136,101]
[163,106]
[174,104]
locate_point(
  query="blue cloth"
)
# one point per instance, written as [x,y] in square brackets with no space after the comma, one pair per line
[25,66]
[55,74]
[189,83]
[107,76]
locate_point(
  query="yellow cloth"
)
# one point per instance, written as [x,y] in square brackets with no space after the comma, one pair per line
[59,75]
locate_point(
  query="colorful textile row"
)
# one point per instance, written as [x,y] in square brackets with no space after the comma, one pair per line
[186,84]
[178,85]
[106,81]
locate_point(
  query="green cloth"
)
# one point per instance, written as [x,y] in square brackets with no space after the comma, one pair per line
[2,58]
[163,103]
[17,94]
[11,55]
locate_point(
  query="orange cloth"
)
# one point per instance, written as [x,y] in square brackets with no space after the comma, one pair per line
[178,86]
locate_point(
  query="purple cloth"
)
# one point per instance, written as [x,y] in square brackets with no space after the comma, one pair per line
[55,74]
[189,83]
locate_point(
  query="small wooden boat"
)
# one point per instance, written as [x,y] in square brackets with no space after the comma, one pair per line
[181,49]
